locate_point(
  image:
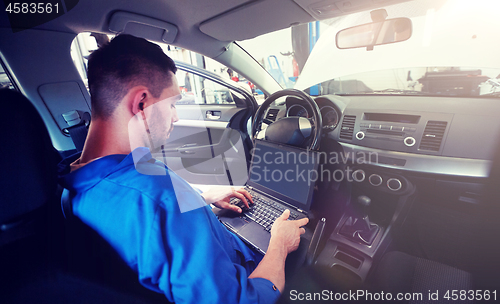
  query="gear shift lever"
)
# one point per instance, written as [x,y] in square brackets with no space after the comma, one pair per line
[359,228]
[364,202]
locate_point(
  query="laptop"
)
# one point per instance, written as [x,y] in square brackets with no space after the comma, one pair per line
[280,177]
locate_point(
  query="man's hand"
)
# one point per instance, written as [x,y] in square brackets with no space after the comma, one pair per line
[220,197]
[285,238]
[287,233]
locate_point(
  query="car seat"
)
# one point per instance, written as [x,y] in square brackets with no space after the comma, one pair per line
[33,248]
[27,190]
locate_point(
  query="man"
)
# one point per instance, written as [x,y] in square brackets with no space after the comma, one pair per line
[129,199]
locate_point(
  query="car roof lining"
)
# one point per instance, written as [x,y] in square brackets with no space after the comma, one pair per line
[254,19]
[205,27]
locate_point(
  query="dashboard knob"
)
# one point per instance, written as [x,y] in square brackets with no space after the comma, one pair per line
[409,141]
[360,135]
[394,184]
[375,180]
[358,175]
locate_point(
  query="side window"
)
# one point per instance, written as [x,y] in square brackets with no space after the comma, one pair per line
[4,79]
[199,90]
[195,89]
[83,45]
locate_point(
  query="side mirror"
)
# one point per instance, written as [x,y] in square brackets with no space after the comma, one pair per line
[375,33]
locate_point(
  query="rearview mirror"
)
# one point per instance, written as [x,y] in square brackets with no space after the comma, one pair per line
[375,33]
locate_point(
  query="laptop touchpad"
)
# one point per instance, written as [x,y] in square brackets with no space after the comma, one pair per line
[236,222]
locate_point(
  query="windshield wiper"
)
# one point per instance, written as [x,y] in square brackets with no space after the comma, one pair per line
[385,92]
[415,93]
[491,94]
[395,91]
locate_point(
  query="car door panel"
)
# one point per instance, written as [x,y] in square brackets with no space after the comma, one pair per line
[199,159]
[205,147]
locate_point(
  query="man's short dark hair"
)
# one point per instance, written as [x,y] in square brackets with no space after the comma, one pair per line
[121,64]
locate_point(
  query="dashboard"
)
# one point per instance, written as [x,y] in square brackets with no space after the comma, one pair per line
[453,136]
[432,157]
[331,114]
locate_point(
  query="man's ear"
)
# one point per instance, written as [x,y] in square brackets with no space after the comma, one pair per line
[138,100]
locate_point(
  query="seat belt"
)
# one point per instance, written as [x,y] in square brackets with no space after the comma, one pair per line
[66,205]
[78,135]
[78,132]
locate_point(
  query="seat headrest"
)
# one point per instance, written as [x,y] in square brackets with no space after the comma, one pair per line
[27,159]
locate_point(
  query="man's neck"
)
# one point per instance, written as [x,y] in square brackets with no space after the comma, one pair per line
[105,138]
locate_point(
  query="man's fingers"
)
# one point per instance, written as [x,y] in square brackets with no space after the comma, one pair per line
[246,194]
[241,197]
[284,216]
[232,207]
[302,222]
[236,208]
[302,230]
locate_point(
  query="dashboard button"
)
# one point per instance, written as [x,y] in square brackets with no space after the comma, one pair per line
[360,135]
[394,184]
[358,175]
[397,128]
[409,141]
[375,180]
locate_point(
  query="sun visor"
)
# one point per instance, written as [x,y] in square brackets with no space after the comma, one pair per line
[255,19]
[143,26]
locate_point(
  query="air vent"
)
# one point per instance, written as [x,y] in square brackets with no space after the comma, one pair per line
[347,128]
[433,135]
[272,114]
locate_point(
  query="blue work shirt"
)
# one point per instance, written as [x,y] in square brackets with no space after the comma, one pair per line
[189,256]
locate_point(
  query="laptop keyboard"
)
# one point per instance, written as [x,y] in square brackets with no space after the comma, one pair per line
[263,211]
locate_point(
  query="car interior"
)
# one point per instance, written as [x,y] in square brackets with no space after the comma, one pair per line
[413,216]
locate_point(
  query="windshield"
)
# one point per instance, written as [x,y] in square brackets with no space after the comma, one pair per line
[452,51]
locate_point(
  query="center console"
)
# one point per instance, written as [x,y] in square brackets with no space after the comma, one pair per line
[419,132]
[364,231]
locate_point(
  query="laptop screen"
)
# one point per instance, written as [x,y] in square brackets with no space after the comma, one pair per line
[288,173]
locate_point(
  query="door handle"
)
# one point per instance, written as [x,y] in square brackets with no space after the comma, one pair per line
[213,115]
[183,149]
[179,148]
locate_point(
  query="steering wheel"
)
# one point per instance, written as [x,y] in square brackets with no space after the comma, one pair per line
[288,129]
